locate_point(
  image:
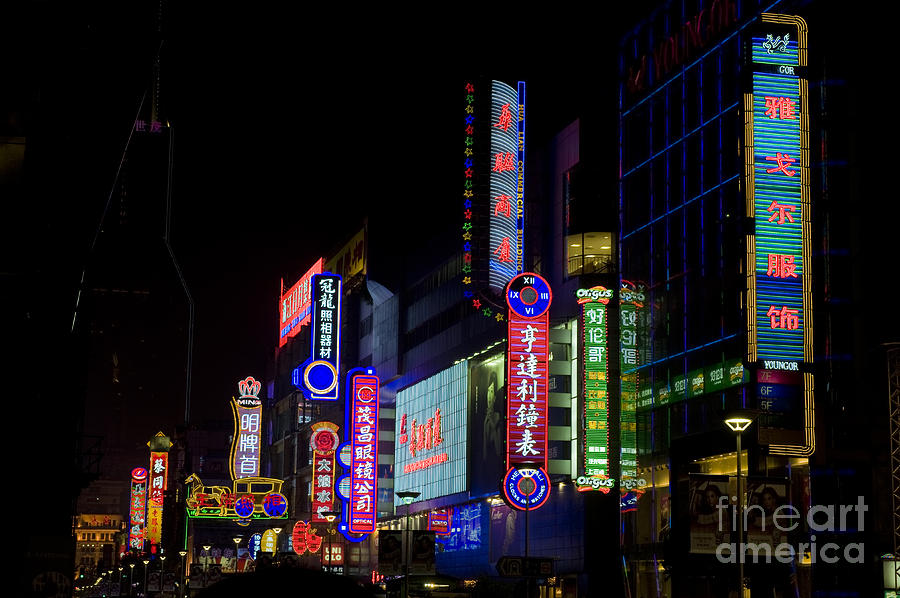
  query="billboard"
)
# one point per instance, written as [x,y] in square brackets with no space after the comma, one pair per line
[487,429]
[323,442]
[247,442]
[595,368]
[159,468]
[431,427]
[296,305]
[507,183]
[777,176]
[319,376]
[137,509]
[526,484]
[360,487]
[350,261]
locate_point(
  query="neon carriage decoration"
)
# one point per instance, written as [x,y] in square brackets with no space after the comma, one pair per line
[247,498]
[359,489]
[318,377]
[247,411]
[526,484]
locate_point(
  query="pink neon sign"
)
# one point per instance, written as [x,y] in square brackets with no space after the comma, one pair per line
[296,305]
[138,508]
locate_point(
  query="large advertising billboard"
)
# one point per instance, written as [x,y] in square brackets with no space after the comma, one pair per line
[431,428]
[487,397]
[779,318]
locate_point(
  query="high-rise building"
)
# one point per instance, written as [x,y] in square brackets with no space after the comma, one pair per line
[734,236]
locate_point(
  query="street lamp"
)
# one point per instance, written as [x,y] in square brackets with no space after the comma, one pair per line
[182,553]
[407,496]
[146,562]
[738,422]
[236,540]
[130,578]
[330,516]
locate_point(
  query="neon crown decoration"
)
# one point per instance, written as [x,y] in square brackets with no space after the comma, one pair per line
[249,388]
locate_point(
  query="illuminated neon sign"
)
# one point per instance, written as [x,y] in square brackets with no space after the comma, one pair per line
[507,183]
[296,305]
[528,297]
[595,358]
[440,521]
[362,425]
[780,318]
[224,502]
[138,509]
[323,442]
[631,301]
[318,377]
[247,443]
[159,467]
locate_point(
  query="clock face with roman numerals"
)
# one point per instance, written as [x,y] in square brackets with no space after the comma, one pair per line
[528,295]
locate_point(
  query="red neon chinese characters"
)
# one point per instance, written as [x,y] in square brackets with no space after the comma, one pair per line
[424,436]
[783,108]
[503,206]
[503,250]
[781,266]
[504,162]
[782,213]
[785,318]
[784,161]
[505,118]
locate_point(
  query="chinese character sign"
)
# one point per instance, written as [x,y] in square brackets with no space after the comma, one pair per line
[362,425]
[779,192]
[246,446]
[318,377]
[137,509]
[507,183]
[323,441]
[595,370]
[439,520]
[528,298]
[296,305]
[630,305]
[159,465]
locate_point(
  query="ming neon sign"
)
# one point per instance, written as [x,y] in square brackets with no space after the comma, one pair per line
[246,446]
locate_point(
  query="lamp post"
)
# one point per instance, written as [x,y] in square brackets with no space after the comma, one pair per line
[737,423]
[407,496]
[237,541]
[182,553]
[146,562]
[130,578]
[330,516]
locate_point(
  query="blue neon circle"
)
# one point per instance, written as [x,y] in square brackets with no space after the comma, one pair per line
[320,377]
[542,299]
[516,498]
[274,504]
[243,506]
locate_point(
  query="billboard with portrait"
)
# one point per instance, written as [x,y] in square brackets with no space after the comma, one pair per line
[710,523]
[487,396]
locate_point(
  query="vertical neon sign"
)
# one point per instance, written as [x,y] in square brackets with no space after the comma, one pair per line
[779,314]
[323,441]
[318,377]
[137,509]
[507,184]
[159,468]
[595,367]
[362,425]
[247,412]
[630,301]
[528,297]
